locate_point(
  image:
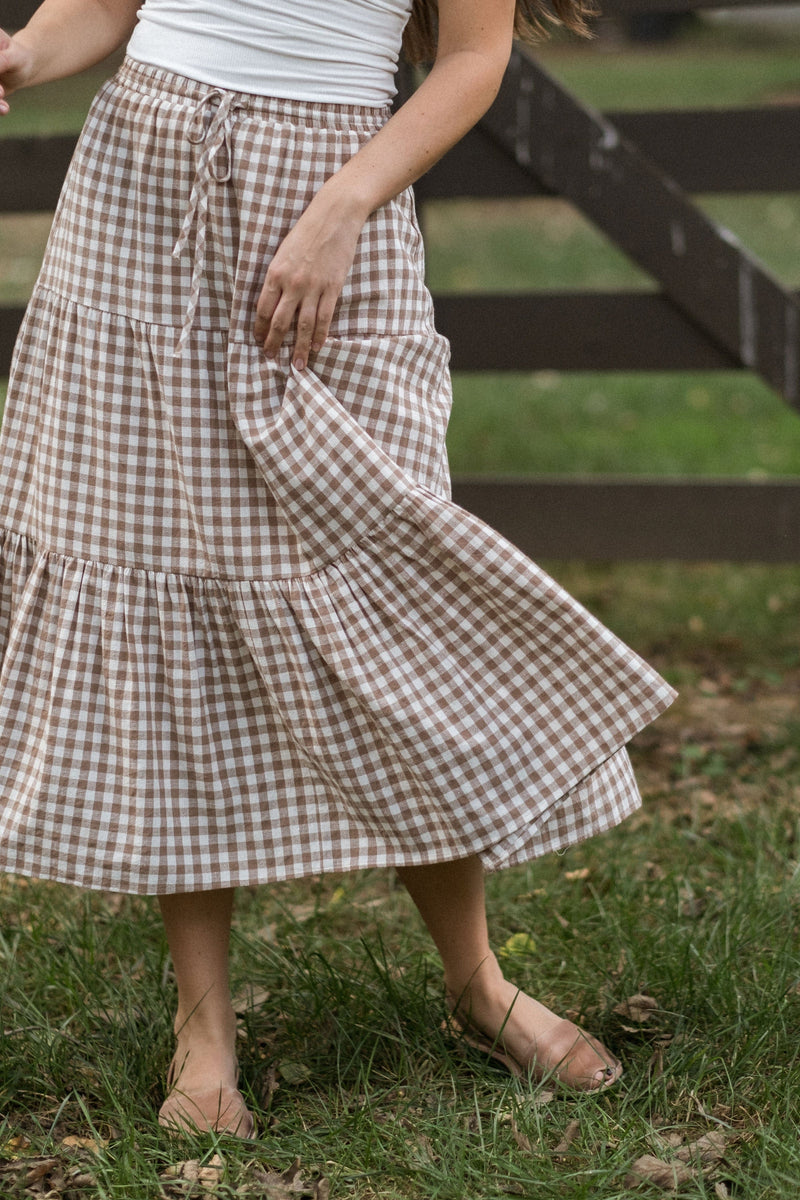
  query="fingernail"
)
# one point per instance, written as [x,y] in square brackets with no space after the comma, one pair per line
[298,362]
[315,346]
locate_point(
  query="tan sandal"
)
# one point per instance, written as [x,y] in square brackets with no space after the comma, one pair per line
[572,1058]
[215,1110]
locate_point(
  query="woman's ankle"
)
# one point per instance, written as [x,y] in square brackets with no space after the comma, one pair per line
[205,1022]
[477,986]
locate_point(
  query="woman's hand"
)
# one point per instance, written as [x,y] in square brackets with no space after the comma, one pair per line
[62,38]
[305,278]
[306,275]
[15,67]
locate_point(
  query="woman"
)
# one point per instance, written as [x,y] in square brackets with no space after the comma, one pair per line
[247,636]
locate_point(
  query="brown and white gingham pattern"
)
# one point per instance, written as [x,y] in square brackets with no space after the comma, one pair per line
[245,635]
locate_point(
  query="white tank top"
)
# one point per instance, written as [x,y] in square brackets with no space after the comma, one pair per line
[334,51]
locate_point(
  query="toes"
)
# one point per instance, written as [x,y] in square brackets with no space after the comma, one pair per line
[580,1060]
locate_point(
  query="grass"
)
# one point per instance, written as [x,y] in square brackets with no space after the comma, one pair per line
[342,1055]
[693,903]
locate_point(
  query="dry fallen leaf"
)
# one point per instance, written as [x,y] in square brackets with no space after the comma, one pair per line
[208,1176]
[15,1146]
[268,1085]
[521,1139]
[708,1149]
[271,1186]
[294,1072]
[38,1168]
[580,873]
[83,1143]
[690,1161]
[666,1175]
[570,1133]
[637,1008]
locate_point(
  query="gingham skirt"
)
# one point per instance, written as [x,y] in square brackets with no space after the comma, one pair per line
[245,634]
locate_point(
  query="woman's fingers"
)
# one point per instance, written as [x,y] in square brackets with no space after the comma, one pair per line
[5,42]
[304,282]
[279,312]
[325,311]
[14,68]
[306,324]
[275,327]
[288,315]
[267,303]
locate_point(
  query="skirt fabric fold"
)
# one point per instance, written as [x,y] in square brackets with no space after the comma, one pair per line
[245,633]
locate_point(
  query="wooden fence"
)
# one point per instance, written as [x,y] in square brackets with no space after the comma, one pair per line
[633,175]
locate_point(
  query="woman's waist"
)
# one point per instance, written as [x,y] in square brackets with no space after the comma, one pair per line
[285,68]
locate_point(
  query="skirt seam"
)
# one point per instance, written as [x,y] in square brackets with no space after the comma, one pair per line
[38,547]
[428,329]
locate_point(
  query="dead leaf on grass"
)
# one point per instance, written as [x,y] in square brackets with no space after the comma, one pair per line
[569,1135]
[667,1175]
[689,1162]
[15,1146]
[268,1085]
[35,1169]
[43,1177]
[193,1171]
[637,1008]
[83,1143]
[269,1185]
[708,1149]
[580,873]
[81,1179]
[294,1072]
[521,1139]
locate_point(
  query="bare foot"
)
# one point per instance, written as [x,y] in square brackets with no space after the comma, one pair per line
[202,1083]
[494,1016]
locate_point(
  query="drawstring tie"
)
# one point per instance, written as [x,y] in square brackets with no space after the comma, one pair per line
[215,166]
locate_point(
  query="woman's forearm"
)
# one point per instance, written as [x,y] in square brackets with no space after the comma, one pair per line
[455,94]
[305,277]
[64,37]
[474,47]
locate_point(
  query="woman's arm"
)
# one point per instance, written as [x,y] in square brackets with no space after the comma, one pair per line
[306,276]
[62,38]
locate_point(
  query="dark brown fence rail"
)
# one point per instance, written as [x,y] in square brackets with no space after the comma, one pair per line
[633,174]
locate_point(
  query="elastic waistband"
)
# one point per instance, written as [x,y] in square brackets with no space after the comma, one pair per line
[150,80]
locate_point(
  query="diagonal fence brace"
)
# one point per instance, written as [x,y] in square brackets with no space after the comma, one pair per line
[577,153]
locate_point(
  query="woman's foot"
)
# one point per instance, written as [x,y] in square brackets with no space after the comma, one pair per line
[492,1015]
[202,1083]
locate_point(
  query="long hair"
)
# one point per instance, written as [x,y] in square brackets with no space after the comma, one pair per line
[530,23]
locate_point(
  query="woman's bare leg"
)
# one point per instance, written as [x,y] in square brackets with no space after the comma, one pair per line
[204,1071]
[451,899]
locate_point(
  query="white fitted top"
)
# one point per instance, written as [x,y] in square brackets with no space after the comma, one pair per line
[334,51]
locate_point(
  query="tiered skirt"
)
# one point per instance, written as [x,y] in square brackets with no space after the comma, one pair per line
[245,634]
